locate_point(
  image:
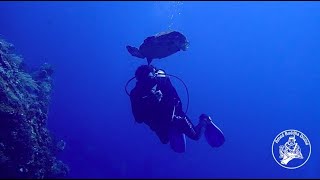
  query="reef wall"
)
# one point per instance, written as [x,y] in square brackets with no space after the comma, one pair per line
[27,148]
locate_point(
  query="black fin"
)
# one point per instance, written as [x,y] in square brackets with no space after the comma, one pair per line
[134,52]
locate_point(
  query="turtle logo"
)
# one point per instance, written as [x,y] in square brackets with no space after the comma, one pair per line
[291,149]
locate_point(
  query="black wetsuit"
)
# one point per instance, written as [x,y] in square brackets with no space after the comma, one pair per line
[161,116]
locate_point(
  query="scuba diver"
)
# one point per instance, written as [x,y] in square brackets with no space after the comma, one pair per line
[156,103]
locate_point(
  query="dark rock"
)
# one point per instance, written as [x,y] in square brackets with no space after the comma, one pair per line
[27,149]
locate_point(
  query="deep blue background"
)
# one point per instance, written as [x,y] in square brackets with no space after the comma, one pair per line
[253,66]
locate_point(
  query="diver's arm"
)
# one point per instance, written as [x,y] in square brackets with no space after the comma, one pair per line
[175,97]
[140,104]
[136,111]
[136,106]
[170,91]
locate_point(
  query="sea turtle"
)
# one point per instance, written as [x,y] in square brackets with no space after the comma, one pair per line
[160,46]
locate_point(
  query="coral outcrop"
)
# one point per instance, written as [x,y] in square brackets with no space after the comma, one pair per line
[27,148]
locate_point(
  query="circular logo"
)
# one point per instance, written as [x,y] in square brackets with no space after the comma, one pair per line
[291,149]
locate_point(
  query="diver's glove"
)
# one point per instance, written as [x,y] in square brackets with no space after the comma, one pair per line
[153,97]
[158,95]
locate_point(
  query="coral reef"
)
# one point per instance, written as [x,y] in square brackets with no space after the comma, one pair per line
[27,148]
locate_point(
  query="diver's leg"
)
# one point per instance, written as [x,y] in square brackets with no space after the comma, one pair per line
[176,136]
[184,125]
[177,140]
[213,134]
[163,137]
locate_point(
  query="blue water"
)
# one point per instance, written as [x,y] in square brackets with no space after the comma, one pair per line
[253,66]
